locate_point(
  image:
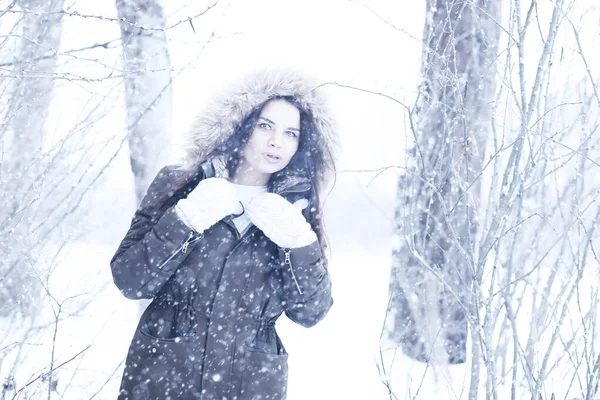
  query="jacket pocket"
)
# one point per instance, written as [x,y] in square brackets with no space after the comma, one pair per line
[161,368]
[264,374]
[190,336]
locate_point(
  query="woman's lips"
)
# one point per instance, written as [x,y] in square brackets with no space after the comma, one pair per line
[272,158]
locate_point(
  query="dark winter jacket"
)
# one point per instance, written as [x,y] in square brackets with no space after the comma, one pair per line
[209,332]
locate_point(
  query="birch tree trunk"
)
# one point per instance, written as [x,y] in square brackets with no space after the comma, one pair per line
[32,88]
[433,260]
[23,133]
[147,88]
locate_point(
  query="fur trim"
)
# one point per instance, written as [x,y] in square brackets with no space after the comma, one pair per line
[216,124]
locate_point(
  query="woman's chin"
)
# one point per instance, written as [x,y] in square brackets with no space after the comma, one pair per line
[271,168]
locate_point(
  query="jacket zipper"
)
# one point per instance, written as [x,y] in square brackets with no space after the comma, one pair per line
[288,261]
[183,248]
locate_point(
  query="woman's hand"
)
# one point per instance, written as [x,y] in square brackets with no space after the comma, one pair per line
[280,221]
[211,201]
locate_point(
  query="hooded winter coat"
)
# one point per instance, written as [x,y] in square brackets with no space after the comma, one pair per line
[209,332]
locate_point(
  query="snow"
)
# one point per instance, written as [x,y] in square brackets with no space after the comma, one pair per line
[341,41]
[95,318]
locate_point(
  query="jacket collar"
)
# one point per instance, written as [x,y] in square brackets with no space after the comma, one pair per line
[291,183]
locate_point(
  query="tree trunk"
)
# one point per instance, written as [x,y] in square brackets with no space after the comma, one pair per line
[433,261]
[23,134]
[32,90]
[147,88]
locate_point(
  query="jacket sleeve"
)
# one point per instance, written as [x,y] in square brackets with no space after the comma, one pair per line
[306,284]
[155,244]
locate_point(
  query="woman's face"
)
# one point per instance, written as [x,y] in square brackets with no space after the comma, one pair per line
[271,145]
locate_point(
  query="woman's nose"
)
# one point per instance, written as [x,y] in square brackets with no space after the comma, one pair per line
[275,140]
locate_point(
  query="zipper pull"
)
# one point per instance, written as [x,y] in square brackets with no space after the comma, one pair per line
[183,248]
[288,261]
[186,243]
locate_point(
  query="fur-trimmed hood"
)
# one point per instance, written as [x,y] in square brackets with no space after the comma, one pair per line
[218,121]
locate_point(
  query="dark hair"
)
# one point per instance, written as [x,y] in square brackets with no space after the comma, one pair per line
[306,162]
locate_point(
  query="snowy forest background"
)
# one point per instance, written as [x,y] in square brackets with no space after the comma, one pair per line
[466,194]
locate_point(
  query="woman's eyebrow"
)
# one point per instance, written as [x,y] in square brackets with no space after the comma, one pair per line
[268,120]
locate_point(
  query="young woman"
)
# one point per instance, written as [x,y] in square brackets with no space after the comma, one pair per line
[227,242]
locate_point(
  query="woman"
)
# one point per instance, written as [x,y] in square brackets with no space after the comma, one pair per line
[226,243]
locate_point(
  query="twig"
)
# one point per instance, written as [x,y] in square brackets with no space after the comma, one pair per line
[7,9]
[43,376]
[121,20]
[95,46]
[387,22]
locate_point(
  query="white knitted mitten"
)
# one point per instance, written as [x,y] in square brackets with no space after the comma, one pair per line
[211,201]
[280,221]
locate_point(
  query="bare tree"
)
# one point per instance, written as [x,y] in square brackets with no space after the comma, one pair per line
[529,291]
[33,78]
[539,291]
[23,133]
[147,87]
[434,261]
[35,38]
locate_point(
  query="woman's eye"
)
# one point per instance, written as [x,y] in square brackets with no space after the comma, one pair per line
[263,125]
[291,133]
